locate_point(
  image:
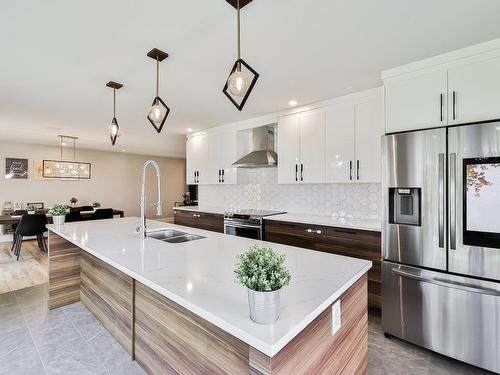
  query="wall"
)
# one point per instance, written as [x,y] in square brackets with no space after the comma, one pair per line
[116,179]
[262,191]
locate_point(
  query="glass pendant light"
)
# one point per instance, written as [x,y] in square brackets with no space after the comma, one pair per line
[242,77]
[114,128]
[158,111]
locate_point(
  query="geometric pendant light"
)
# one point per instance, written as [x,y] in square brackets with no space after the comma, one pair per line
[114,128]
[243,77]
[158,111]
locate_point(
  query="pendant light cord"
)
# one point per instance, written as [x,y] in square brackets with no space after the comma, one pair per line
[114,103]
[239,32]
[158,76]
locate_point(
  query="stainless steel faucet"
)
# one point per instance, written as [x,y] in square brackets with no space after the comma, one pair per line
[142,228]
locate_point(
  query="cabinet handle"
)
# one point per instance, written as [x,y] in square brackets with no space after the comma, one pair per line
[350,170]
[318,231]
[222,175]
[302,172]
[441,107]
[296,172]
[357,169]
[219,175]
[454,105]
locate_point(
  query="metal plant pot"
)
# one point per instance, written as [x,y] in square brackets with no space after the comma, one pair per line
[264,306]
[58,220]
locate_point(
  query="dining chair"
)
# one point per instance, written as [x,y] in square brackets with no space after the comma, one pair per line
[30,225]
[17,213]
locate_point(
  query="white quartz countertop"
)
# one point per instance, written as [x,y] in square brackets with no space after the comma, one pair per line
[360,224]
[198,275]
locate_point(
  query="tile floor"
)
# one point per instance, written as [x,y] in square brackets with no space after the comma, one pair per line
[70,341]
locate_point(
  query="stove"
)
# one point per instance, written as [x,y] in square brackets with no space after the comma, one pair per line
[246,223]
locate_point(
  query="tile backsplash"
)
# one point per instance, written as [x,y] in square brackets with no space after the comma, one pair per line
[262,191]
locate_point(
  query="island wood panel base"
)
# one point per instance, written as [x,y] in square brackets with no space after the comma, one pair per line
[64,272]
[316,351]
[172,340]
[109,295]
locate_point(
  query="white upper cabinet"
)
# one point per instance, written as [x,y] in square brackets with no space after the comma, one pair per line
[288,149]
[312,147]
[210,158]
[340,143]
[197,159]
[354,132]
[458,87]
[416,102]
[301,148]
[474,92]
[211,174]
[369,132]
[228,157]
[190,178]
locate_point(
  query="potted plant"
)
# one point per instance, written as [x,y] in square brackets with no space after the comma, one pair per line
[73,201]
[58,213]
[96,205]
[263,272]
[31,209]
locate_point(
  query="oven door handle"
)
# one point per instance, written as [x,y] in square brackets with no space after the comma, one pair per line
[238,225]
[454,285]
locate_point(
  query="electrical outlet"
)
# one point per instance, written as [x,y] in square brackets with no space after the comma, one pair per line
[336,317]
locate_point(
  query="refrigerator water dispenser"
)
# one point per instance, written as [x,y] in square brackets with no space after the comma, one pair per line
[404,206]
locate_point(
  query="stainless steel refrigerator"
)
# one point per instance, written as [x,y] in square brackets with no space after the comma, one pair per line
[441,241]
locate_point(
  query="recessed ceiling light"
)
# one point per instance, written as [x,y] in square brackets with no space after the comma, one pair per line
[64,143]
[124,150]
[292,103]
[189,130]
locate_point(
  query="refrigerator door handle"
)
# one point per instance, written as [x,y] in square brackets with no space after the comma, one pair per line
[453,201]
[448,284]
[441,203]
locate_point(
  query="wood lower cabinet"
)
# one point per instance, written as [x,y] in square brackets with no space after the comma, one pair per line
[186,218]
[287,233]
[349,242]
[200,220]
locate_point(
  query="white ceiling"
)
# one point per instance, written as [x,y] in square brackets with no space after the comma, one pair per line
[56,57]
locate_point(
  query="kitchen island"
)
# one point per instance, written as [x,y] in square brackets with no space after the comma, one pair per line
[175,307]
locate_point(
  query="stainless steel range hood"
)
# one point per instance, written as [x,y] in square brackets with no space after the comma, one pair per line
[262,154]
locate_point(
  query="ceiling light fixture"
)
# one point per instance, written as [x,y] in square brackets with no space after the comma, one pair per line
[158,111]
[63,169]
[189,130]
[114,128]
[292,103]
[242,78]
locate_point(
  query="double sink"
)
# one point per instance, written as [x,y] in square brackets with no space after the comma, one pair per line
[173,236]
